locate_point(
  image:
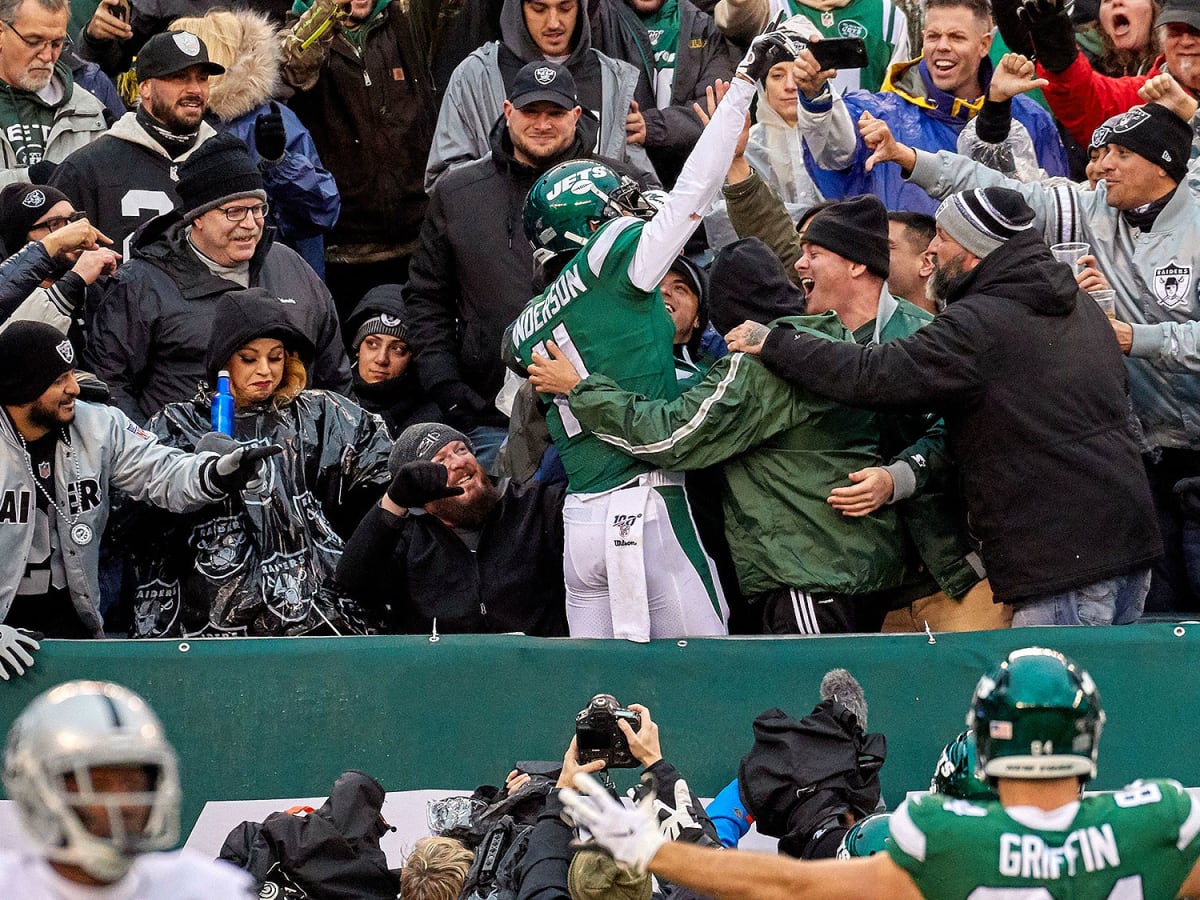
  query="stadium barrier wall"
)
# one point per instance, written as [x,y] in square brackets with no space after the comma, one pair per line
[260,718]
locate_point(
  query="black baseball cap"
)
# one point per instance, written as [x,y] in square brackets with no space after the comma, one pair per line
[1186,12]
[171,52]
[543,80]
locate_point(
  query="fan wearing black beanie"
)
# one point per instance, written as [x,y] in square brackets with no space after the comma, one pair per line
[803,565]
[58,458]
[1029,380]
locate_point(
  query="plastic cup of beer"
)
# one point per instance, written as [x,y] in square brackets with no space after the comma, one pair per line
[1107,301]
[1070,253]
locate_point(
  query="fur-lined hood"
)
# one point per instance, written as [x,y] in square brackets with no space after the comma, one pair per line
[253,78]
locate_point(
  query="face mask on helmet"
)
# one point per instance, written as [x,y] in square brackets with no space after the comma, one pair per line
[571,200]
[94,778]
[1036,716]
[955,772]
[866,837]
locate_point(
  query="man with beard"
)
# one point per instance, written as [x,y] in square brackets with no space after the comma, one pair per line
[470,276]
[459,552]
[59,458]
[128,177]
[1025,372]
[44,115]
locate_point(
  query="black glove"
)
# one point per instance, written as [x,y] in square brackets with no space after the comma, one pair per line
[419,482]
[270,137]
[1050,29]
[461,406]
[232,472]
[42,172]
[766,50]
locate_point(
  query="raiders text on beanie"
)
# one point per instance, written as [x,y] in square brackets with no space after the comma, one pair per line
[856,229]
[981,220]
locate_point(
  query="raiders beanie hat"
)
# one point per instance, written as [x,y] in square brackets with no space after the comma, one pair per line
[20,206]
[32,356]
[981,220]
[1152,132]
[856,229]
[423,442]
[218,171]
[380,324]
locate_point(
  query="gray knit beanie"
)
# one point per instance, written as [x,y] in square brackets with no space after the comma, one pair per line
[423,441]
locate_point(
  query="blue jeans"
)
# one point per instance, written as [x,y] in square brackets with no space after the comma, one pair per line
[1113,601]
[487,440]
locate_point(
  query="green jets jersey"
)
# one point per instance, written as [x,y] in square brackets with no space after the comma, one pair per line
[880,23]
[1135,843]
[605,324]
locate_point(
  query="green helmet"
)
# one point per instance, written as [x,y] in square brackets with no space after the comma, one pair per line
[955,772]
[1037,716]
[866,837]
[566,204]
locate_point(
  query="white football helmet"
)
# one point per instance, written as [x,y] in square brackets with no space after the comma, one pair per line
[68,731]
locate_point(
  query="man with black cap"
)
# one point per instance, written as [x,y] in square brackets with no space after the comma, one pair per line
[128,177]
[1143,225]
[805,567]
[470,275]
[149,334]
[44,114]
[1023,370]
[59,457]
[458,552]
[60,257]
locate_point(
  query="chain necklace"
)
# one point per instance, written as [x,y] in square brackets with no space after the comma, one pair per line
[81,532]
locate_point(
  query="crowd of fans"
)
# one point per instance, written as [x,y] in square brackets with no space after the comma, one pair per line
[597,317]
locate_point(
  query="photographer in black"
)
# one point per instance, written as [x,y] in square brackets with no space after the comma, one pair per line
[552,868]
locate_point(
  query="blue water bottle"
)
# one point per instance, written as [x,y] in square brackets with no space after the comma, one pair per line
[222,405]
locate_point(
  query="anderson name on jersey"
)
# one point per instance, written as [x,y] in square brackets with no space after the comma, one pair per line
[1139,842]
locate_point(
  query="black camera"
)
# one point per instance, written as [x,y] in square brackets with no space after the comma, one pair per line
[597,735]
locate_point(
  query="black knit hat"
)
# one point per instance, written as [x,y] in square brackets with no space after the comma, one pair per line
[32,356]
[1152,132]
[856,229]
[749,282]
[981,220]
[20,206]
[245,316]
[219,170]
[423,441]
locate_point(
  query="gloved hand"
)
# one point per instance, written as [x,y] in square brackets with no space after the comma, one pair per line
[232,472]
[632,836]
[1187,493]
[15,645]
[1050,29]
[461,406]
[679,822]
[270,137]
[766,50]
[419,482]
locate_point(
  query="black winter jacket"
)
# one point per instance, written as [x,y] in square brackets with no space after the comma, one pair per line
[1028,376]
[372,119]
[151,331]
[512,582]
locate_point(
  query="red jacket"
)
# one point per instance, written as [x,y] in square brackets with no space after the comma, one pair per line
[1082,99]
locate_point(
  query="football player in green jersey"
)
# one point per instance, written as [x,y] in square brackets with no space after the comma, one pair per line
[633,564]
[1037,721]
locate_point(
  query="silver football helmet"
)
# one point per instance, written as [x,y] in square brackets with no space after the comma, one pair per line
[52,749]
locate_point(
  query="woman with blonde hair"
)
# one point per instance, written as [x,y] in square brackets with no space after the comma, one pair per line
[260,562]
[303,197]
[435,870]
